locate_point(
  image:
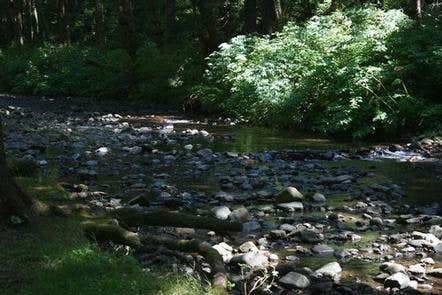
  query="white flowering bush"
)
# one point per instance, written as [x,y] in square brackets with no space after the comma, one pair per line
[332,75]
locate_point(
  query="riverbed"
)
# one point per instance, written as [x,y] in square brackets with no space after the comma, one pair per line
[304,201]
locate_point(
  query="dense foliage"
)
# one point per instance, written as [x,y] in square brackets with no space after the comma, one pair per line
[334,67]
[354,72]
[87,71]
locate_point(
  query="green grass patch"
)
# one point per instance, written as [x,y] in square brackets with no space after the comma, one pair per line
[52,256]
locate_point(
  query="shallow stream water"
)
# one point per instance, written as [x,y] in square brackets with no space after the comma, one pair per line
[62,136]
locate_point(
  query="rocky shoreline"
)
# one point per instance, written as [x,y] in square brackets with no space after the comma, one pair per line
[310,223]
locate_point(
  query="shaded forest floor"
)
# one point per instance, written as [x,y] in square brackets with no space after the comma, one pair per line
[52,256]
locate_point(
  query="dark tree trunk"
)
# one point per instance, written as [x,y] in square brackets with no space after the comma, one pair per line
[127,22]
[170,31]
[250,16]
[13,201]
[271,15]
[418,9]
[208,16]
[99,24]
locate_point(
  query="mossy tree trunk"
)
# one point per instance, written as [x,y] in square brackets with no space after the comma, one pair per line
[13,200]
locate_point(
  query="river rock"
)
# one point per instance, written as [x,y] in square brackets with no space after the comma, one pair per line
[319,198]
[398,280]
[277,234]
[377,221]
[392,268]
[102,151]
[224,196]
[221,212]
[430,238]
[436,230]
[310,236]
[332,270]
[322,249]
[251,226]
[247,247]
[287,227]
[289,194]
[295,280]
[254,259]
[224,250]
[427,260]
[438,249]
[240,214]
[416,269]
[292,206]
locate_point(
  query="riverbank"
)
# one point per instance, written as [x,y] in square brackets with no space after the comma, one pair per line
[324,215]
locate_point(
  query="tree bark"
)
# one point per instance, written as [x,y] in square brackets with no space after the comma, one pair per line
[99,24]
[271,15]
[208,17]
[250,16]
[13,200]
[127,22]
[170,30]
[418,9]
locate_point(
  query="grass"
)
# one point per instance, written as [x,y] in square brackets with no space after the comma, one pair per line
[52,256]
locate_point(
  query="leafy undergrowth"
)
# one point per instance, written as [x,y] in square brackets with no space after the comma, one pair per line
[52,256]
[351,72]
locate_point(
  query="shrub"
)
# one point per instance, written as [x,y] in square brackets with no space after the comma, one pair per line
[335,75]
[153,75]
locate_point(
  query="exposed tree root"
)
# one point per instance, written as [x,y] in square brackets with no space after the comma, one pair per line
[161,217]
[106,230]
